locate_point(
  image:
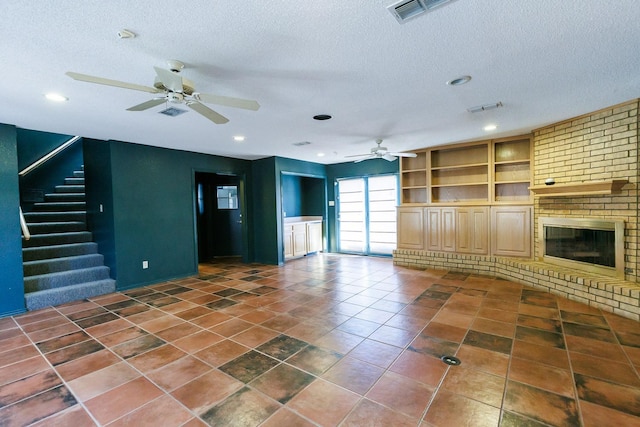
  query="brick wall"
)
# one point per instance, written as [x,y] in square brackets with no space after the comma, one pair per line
[602,145]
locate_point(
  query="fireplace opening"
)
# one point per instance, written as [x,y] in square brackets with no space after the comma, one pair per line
[588,244]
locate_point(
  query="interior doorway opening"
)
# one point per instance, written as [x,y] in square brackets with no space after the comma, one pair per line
[219,211]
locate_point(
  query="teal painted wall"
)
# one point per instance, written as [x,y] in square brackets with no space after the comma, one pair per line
[266,205]
[349,170]
[99,191]
[11,279]
[154,210]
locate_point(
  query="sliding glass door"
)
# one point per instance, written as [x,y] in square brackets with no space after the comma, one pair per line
[367,214]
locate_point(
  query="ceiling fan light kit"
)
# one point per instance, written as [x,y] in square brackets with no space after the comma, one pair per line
[175,89]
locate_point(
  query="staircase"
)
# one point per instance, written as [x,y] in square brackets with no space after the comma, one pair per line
[61,262]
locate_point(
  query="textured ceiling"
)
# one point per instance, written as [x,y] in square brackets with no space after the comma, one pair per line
[545,60]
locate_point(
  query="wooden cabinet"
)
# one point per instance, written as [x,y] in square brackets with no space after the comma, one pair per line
[472,225]
[451,195]
[299,239]
[314,237]
[287,235]
[440,229]
[410,233]
[302,235]
[511,230]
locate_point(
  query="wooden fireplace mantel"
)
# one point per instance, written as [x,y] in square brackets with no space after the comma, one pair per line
[579,188]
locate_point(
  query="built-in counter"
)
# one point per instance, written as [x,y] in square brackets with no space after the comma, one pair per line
[302,235]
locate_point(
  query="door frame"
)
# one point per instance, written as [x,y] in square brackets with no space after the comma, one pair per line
[242,199]
[366,178]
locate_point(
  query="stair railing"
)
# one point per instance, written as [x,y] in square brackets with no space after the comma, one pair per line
[42,160]
[23,225]
[35,165]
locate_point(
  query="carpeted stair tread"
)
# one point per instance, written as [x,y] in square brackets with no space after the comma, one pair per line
[59,251]
[57,296]
[55,227]
[60,206]
[55,265]
[32,217]
[74,181]
[69,189]
[61,262]
[61,279]
[64,197]
[57,239]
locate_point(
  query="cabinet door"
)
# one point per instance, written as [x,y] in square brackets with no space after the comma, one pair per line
[299,239]
[433,229]
[511,231]
[448,229]
[472,230]
[410,228]
[314,237]
[288,241]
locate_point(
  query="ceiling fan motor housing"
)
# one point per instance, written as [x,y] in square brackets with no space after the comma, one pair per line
[174,97]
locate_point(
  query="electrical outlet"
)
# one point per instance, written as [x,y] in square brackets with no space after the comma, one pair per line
[101,208]
[145,265]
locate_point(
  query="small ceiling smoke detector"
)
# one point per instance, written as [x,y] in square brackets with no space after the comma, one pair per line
[125,34]
[459,81]
[407,9]
[321,117]
[485,107]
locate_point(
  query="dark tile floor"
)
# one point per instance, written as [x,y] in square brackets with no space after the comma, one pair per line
[325,340]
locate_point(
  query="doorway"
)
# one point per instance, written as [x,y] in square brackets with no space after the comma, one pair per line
[219,215]
[367,214]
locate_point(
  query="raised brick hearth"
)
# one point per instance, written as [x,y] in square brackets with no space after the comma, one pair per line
[606,293]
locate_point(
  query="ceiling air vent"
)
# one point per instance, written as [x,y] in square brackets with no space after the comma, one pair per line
[172,111]
[405,10]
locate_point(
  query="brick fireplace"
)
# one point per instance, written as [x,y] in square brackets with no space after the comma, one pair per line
[595,147]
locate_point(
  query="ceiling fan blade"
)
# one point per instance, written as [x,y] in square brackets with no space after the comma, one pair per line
[389,157]
[360,155]
[362,160]
[109,82]
[404,154]
[247,104]
[170,80]
[146,105]
[215,117]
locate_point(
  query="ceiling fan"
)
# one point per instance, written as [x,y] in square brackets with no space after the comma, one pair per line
[176,89]
[380,152]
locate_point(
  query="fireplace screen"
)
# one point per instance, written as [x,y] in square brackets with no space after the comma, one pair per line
[585,245]
[594,245]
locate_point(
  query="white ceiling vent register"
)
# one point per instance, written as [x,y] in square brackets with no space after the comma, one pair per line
[407,9]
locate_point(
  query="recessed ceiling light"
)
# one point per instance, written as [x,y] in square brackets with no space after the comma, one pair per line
[56,97]
[238,138]
[320,154]
[490,127]
[459,81]
[321,117]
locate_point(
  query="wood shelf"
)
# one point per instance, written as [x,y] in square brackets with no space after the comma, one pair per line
[579,188]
